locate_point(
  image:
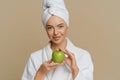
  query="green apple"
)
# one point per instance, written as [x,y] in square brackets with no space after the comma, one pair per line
[58,56]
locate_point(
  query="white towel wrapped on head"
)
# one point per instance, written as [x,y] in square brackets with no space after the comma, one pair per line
[54,7]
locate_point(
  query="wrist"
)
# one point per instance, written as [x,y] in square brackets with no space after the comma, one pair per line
[75,72]
[40,74]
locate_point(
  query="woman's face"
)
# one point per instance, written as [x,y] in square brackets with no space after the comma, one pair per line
[56,29]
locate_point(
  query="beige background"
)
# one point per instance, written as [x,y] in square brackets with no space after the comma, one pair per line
[94,26]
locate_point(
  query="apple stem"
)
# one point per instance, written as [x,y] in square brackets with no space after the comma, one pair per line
[60,50]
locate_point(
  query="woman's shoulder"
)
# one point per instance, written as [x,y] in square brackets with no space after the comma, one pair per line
[82,52]
[36,54]
[36,58]
[84,59]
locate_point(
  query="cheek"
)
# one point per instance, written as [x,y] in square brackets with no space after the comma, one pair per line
[49,34]
[63,32]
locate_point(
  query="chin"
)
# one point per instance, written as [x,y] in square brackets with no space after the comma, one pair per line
[56,42]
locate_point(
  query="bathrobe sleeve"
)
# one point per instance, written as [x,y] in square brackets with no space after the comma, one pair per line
[85,65]
[29,71]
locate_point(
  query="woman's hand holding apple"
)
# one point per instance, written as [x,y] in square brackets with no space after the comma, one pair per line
[70,60]
[49,65]
[45,68]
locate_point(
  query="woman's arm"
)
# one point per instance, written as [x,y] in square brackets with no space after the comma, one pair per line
[70,60]
[44,69]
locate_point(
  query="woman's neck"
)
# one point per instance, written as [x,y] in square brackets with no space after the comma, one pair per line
[59,46]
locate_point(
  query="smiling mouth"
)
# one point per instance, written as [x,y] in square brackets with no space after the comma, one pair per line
[56,38]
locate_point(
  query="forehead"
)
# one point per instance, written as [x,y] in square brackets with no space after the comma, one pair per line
[54,20]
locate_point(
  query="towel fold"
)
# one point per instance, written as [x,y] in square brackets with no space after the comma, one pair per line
[54,7]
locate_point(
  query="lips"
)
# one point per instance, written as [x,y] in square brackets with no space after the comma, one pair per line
[56,38]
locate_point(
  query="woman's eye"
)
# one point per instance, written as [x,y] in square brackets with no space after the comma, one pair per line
[61,26]
[49,27]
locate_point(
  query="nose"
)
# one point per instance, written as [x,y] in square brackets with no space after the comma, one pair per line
[55,31]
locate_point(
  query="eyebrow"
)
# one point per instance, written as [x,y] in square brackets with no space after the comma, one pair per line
[57,25]
[60,24]
[48,25]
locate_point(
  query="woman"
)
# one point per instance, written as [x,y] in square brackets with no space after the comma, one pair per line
[76,66]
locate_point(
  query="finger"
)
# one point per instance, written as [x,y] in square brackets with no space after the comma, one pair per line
[54,64]
[72,56]
[49,61]
[69,54]
[67,60]
[57,49]
[61,49]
